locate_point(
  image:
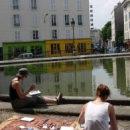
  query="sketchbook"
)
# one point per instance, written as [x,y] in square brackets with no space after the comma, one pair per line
[36,92]
[66,128]
[27,119]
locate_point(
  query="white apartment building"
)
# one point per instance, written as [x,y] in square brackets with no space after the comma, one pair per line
[31,20]
[117,24]
[126,10]
[91,17]
[96,36]
[113,26]
[34,22]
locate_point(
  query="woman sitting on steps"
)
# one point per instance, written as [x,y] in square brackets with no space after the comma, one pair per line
[21,100]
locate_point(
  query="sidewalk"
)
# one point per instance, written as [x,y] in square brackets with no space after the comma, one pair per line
[122,112]
[70,110]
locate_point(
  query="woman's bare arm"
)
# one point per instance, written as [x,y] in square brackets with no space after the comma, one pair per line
[18,89]
[81,119]
[113,122]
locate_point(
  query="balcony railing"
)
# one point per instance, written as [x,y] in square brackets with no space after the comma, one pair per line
[16,7]
[16,24]
[34,7]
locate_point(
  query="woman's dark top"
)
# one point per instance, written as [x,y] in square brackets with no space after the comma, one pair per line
[12,93]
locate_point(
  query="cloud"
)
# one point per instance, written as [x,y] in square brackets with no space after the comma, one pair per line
[102,11]
[107,7]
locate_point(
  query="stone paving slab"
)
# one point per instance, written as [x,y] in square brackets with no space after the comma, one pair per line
[122,112]
[70,110]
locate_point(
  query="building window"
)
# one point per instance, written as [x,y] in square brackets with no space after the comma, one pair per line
[16,51]
[70,89]
[54,34]
[56,76]
[79,4]
[35,34]
[34,4]
[57,88]
[91,20]
[82,86]
[53,4]
[55,48]
[15,4]
[91,15]
[81,47]
[16,20]
[36,50]
[67,20]
[91,24]
[53,20]
[38,79]
[56,65]
[17,35]
[69,48]
[67,34]
[126,17]
[126,27]
[66,3]
[91,11]
[91,6]
[80,20]
[80,33]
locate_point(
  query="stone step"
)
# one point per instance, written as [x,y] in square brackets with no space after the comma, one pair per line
[122,112]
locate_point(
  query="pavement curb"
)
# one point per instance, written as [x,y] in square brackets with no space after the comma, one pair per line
[63,58]
[77,100]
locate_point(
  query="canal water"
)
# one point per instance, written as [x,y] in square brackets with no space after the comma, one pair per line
[73,78]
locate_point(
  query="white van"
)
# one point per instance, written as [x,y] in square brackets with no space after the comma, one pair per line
[25,56]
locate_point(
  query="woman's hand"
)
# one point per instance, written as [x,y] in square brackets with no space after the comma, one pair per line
[32,87]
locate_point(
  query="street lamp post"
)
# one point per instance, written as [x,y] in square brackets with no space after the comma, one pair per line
[45,18]
[73,25]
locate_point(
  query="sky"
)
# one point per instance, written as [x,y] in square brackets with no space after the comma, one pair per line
[102,11]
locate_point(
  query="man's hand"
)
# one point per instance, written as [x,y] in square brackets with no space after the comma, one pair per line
[32,87]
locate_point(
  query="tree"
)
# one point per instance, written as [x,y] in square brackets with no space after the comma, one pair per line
[106,31]
[119,38]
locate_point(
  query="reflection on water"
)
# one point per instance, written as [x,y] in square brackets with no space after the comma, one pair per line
[74,78]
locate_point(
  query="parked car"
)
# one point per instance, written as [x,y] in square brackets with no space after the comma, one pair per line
[123,50]
[24,56]
[112,50]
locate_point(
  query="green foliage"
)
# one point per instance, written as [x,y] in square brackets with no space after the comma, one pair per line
[106,31]
[119,38]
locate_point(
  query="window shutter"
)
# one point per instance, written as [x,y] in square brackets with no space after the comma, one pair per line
[64,20]
[50,20]
[19,4]
[70,19]
[56,20]
[83,19]
[31,35]
[39,34]
[11,4]
[20,20]
[38,4]
[50,34]
[58,35]
[12,20]
[76,21]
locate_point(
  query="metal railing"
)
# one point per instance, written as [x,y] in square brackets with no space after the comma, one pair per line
[53,53]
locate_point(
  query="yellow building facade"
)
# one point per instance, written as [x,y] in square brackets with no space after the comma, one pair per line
[58,67]
[65,47]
